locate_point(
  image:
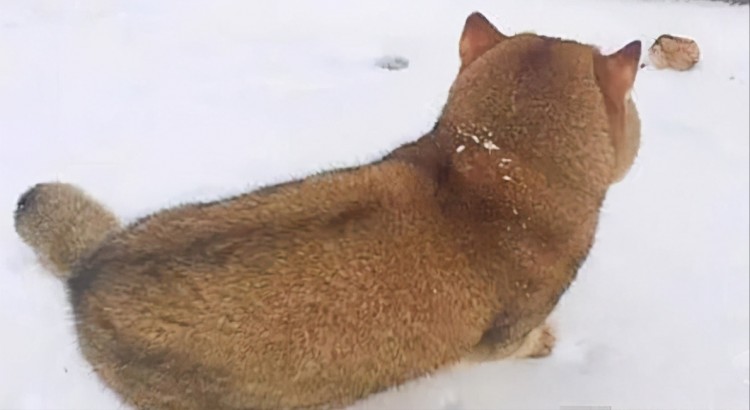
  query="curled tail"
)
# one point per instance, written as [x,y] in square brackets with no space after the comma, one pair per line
[62,223]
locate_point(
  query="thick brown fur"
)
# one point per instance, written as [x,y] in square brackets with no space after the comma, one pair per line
[319,292]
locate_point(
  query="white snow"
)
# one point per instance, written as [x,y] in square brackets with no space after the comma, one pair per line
[147,104]
[490,146]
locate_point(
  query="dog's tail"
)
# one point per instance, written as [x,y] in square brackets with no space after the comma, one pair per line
[62,223]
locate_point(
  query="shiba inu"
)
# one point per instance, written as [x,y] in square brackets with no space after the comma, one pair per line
[320,291]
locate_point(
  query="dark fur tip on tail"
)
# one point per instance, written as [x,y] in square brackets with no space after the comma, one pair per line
[61,224]
[25,200]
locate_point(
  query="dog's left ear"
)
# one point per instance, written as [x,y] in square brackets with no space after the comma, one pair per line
[479,35]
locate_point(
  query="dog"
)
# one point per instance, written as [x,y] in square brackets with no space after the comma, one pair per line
[320,291]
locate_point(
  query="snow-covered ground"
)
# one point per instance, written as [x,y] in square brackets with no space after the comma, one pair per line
[147,104]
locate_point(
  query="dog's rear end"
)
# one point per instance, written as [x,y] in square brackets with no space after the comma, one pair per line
[267,300]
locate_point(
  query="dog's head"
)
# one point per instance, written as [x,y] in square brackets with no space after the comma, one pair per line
[568,95]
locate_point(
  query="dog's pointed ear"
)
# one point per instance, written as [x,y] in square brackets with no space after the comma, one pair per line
[616,72]
[479,35]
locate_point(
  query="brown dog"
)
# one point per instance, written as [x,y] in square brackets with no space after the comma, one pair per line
[321,291]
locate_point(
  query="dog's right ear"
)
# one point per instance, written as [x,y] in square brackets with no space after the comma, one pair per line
[616,72]
[479,35]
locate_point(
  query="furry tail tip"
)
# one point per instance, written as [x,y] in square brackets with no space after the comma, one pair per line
[61,223]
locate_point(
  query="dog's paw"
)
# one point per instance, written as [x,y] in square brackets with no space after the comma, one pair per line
[538,343]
